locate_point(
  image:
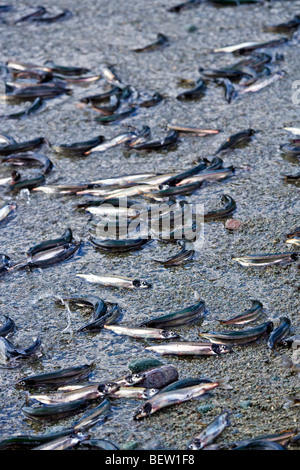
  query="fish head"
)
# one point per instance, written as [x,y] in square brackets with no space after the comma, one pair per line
[143,411]
[135,378]
[196,444]
[108,388]
[150,392]
[222,349]
[141,284]
[170,334]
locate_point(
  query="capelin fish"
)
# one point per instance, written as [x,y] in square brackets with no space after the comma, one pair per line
[170,139]
[98,305]
[18,147]
[239,337]
[123,114]
[230,90]
[62,15]
[181,257]
[208,176]
[140,393]
[260,445]
[35,106]
[24,442]
[12,351]
[192,130]
[77,149]
[283,438]
[43,91]
[260,84]
[97,414]
[195,93]
[110,76]
[290,149]
[190,348]
[99,444]
[45,258]
[18,183]
[64,443]
[267,259]
[247,47]
[67,237]
[6,140]
[8,326]
[111,316]
[293,237]
[144,333]
[116,281]
[4,262]
[292,178]
[174,397]
[228,209]
[35,14]
[131,379]
[57,378]
[191,314]
[66,70]
[161,41]
[55,412]
[29,158]
[246,317]
[236,139]
[121,245]
[89,392]
[211,432]
[280,332]
[6,210]
[175,179]
[287,27]
[118,140]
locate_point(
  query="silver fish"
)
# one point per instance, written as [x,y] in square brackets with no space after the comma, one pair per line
[190,348]
[211,432]
[115,281]
[146,333]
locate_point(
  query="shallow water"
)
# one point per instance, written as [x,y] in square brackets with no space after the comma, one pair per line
[106,32]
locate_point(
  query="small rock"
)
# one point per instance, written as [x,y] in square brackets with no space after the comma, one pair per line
[205,408]
[233,224]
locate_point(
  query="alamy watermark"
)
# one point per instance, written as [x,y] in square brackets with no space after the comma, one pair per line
[166,221]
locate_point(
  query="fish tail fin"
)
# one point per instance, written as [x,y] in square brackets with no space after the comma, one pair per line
[223,383]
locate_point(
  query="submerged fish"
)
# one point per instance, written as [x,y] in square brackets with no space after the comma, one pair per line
[121,245]
[13,351]
[211,432]
[64,443]
[195,93]
[267,259]
[181,257]
[191,314]
[236,139]
[28,158]
[67,237]
[116,281]
[8,326]
[78,148]
[246,317]
[239,337]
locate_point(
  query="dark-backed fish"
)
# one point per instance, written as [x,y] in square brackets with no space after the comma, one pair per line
[121,245]
[211,432]
[48,257]
[195,93]
[35,106]
[111,316]
[239,337]
[13,351]
[248,47]
[279,332]
[29,158]
[267,259]
[228,208]
[55,412]
[170,139]
[287,27]
[181,257]
[67,237]
[191,314]
[18,183]
[161,41]
[290,149]
[58,377]
[96,415]
[19,147]
[246,317]
[77,148]
[8,326]
[260,445]
[236,139]
[40,11]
